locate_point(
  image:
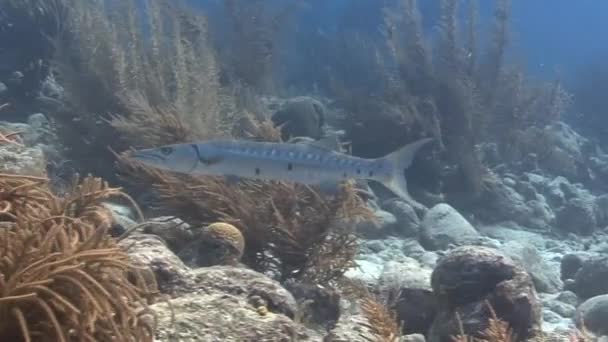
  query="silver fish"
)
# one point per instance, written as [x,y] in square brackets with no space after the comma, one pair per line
[308,163]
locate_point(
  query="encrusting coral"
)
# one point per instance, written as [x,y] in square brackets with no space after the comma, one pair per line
[62,277]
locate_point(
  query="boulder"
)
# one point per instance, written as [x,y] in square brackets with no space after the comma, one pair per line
[467,280]
[443,226]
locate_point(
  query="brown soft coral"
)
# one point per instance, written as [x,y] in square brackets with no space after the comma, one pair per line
[62,278]
[290,230]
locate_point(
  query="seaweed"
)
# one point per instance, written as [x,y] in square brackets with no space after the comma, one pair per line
[116,60]
[291,231]
[496,331]
[62,277]
[447,88]
[380,320]
[250,46]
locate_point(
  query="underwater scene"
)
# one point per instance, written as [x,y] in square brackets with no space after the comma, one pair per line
[303,170]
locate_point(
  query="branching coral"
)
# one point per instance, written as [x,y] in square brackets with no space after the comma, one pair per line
[290,230]
[62,278]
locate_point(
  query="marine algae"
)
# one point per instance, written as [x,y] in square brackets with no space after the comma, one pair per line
[290,230]
[62,277]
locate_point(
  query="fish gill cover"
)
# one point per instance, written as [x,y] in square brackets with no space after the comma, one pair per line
[112,76]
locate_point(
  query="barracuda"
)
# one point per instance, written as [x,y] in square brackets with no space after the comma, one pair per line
[308,163]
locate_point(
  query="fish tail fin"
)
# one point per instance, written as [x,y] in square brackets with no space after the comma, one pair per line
[401,161]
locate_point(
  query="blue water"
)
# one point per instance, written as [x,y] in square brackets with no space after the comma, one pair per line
[551,38]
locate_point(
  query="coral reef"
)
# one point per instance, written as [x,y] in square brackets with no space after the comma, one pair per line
[289,229]
[62,277]
[276,260]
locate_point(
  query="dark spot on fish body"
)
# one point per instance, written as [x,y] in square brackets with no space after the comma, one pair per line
[344,175]
[257,171]
[289,166]
[371,173]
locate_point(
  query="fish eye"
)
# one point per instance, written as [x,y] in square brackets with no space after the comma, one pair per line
[166,150]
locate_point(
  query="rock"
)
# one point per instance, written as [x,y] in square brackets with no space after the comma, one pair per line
[568,297]
[467,278]
[39,130]
[412,248]
[217,244]
[217,316]
[22,160]
[551,317]
[569,285]
[527,190]
[562,309]
[243,282]
[552,302]
[560,160]
[417,308]
[592,278]
[351,328]
[300,117]
[570,264]
[405,274]
[500,202]
[366,271]
[51,88]
[546,279]
[601,205]
[413,338]
[593,313]
[385,224]
[542,216]
[172,275]
[560,190]
[123,218]
[560,336]
[15,78]
[220,303]
[567,139]
[175,232]
[577,216]
[408,223]
[510,231]
[410,282]
[443,226]
[319,305]
[3,90]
